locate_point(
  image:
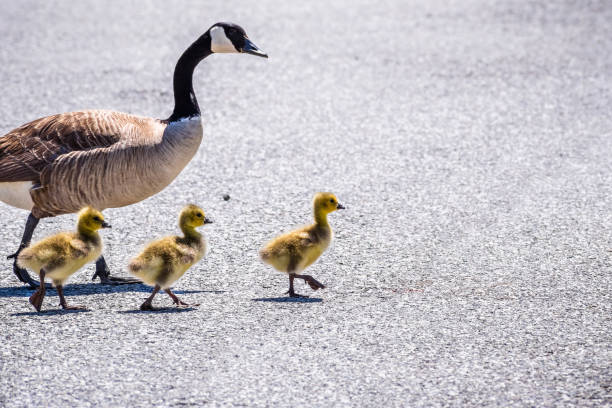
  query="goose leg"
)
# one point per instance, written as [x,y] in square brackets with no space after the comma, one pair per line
[21,273]
[178,301]
[37,297]
[103,272]
[148,304]
[291,292]
[314,284]
[63,304]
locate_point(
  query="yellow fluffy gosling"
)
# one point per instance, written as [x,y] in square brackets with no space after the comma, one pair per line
[59,256]
[296,250]
[164,261]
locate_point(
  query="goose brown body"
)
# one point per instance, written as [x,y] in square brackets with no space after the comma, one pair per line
[101,158]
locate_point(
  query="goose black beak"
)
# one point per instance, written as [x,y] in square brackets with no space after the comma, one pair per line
[251,48]
[105,224]
[340,207]
[208,220]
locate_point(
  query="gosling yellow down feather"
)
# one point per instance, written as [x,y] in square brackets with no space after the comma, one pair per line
[296,250]
[164,261]
[59,256]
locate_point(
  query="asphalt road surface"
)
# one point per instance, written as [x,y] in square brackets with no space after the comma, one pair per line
[471,141]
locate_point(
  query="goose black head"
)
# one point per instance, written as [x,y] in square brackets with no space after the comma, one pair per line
[228,37]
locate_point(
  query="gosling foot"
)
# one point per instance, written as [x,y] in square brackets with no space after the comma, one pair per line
[183,304]
[63,303]
[295,295]
[178,301]
[147,306]
[72,307]
[312,282]
[37,299]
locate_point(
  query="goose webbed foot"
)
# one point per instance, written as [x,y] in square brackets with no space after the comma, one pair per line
[23,274]
[25,277]
[103,272]
[115,280]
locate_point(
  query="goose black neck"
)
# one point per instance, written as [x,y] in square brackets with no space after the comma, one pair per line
[185,102]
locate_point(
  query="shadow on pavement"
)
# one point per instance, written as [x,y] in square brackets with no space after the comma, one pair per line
[185,292]
[159,310]
[53,312]
[83,289]
[288,300]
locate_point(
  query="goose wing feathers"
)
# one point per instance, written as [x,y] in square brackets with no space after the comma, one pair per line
[26,151]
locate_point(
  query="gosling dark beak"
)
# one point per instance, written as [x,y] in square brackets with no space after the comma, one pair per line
[105,224]
[251,48]
[340,207]
[208,220]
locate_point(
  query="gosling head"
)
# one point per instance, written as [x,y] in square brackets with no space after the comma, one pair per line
[91,220]
[192,216]
[228,37]
[326,203]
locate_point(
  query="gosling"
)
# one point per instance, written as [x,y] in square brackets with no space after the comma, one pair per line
[296,250]
[164,261]
[61,255]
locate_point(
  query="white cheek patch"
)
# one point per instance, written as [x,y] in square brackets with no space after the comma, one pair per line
[219,41]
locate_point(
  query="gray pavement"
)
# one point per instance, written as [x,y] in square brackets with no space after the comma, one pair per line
[471,141]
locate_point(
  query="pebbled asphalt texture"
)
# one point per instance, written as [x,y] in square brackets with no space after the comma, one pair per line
[471,141]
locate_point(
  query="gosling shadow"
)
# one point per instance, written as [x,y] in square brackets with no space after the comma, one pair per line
[288,300]
[186,292]
[52,312]
[93,288]
[160,310]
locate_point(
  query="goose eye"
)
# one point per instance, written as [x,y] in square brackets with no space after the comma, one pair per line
[96,218]
[331,200]
[199,215]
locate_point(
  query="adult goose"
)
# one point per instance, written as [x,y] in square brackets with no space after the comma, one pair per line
[103,159]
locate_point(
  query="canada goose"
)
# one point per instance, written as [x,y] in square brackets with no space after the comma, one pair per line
[296,250]
[164,261]
[58,164]
[60,255]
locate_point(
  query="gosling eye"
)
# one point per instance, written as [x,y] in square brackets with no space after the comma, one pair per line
[96,218]
[331,200]
[199,215]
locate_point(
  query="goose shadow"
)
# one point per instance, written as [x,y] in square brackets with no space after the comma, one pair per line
[84,289]
[288,300]
[160,310]
[52,312]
